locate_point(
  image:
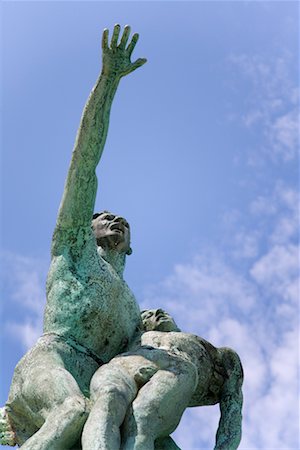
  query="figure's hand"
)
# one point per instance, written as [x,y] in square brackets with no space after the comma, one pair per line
[116,58]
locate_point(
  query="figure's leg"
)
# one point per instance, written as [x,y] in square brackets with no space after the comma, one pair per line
[158,407]
[112,391]
[55,397]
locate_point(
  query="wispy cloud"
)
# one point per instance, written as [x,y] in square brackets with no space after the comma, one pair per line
[271,106]
[254,309]
[24,286]
[251,307]
[283,134]
[277,271]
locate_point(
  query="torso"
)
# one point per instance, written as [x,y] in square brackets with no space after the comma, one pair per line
[197,351]
[88,300]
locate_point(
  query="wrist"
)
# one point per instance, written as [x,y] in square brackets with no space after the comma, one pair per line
[110,73]
[107,81]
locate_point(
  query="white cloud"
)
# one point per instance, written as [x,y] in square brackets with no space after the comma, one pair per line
[283,134]
[24,279]
[271,106]
[27,333]
[195,422]
[275,415]
[278,270]
[196,290]
[262,205]
[253,309]
[209,301]
[281,207]
[246,244]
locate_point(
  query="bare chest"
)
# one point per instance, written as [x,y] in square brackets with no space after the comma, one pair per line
[95,306]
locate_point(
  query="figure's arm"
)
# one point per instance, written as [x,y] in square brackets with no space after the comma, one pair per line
[79,195]
[230,426]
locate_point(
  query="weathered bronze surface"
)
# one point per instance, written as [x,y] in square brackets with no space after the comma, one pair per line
[102,370]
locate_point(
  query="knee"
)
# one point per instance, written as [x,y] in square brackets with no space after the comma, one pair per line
[144,415]
[117,385]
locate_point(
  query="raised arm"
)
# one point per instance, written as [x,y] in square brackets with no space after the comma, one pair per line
[79,195]
[230,426]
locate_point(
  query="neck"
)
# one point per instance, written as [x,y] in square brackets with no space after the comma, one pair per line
[114,258]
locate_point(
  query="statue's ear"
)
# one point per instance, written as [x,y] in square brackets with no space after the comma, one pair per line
[129,251]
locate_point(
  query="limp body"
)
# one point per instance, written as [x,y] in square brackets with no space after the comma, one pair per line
[138,398]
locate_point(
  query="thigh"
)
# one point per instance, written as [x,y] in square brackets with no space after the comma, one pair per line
[40,385]
[160,404]
[49,387]
[125,373]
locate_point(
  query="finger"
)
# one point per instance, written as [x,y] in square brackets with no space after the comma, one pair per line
[105,39]
[125,37]
[138,63]
[115,36]
[132,43]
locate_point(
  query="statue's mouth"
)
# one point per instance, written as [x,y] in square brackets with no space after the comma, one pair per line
[162,317]
[117,227]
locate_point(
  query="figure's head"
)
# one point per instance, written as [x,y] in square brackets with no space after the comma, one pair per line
[112,232]
[158,320]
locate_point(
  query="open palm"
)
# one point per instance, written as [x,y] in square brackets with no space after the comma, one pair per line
[116,57]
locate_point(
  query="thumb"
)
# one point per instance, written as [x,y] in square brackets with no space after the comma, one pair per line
[138,63]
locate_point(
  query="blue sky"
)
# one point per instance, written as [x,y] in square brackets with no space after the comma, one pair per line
[201,158]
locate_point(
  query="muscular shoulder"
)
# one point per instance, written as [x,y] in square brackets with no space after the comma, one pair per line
[234,376]
[231,363]
[74,239]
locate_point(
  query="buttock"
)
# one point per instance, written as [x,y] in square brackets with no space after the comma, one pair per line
[60,352]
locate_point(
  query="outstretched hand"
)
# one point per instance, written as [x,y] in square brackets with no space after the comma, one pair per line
[116,58]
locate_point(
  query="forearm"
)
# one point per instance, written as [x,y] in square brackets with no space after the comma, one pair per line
[79,195]
[92,132]
[230,426]
[231,402]
[81,185]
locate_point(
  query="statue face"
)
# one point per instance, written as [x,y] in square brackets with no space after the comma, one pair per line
[112,232]
[158,320]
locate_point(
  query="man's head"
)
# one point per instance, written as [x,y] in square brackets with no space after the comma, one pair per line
[158,320]
[112,232]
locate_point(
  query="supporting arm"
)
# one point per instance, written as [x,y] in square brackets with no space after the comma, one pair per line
[79,195]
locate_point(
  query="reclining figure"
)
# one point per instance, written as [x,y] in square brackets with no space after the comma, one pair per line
[91,316]
[139,397]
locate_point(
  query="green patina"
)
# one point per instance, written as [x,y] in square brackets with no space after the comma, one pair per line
[92,316]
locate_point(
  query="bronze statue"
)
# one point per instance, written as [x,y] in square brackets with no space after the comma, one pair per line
[86,293]
[92,316]
[139,397]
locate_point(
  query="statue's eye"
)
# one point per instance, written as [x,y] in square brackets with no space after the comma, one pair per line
[108,217]
[148,315]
